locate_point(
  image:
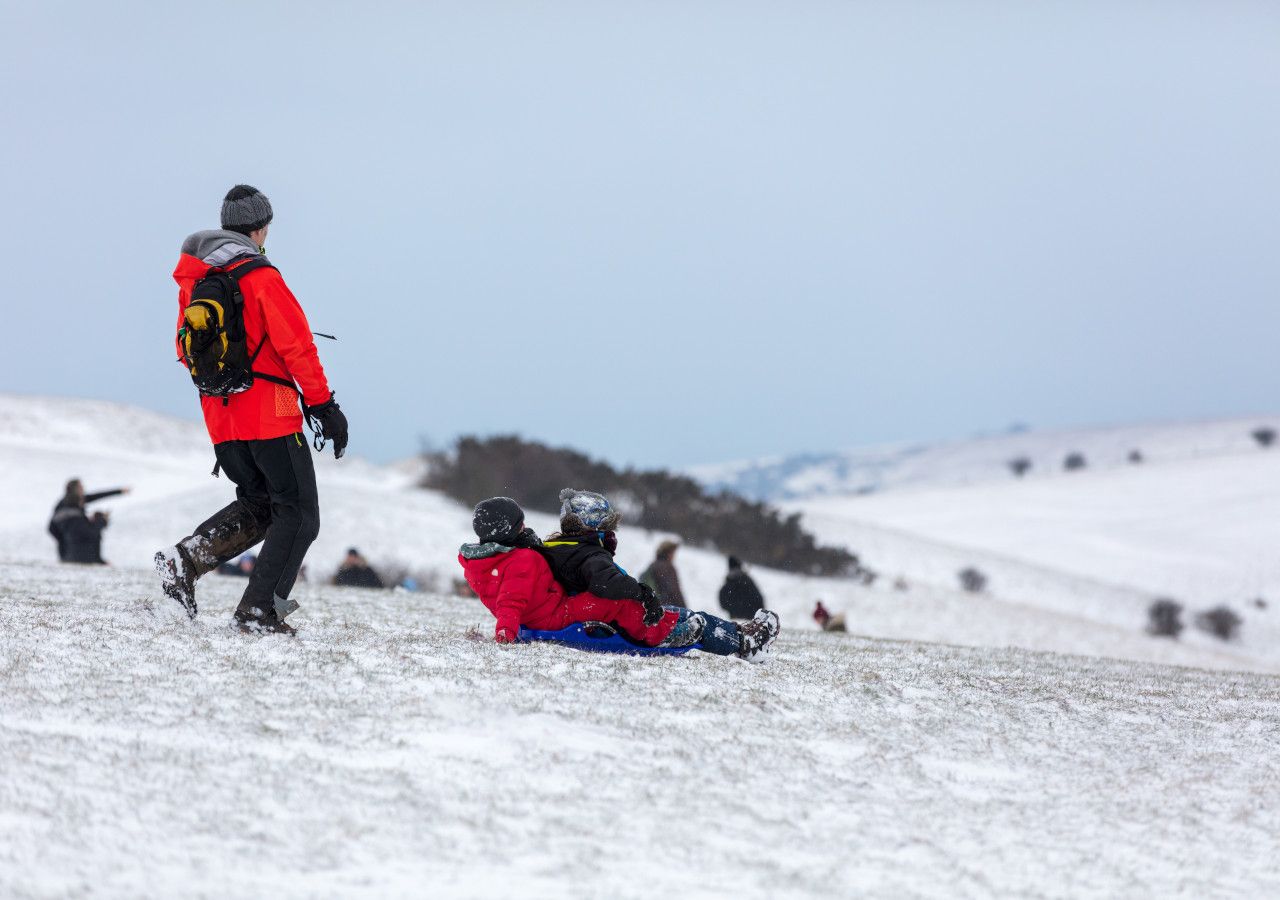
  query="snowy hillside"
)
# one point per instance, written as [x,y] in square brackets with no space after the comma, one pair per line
[376,509]
[382,753]
[983,459]
[1097,545]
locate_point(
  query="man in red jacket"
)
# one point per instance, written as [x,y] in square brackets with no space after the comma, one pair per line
[257,434]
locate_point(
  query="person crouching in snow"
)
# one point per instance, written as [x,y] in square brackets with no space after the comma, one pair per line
[598,589]
[509,570]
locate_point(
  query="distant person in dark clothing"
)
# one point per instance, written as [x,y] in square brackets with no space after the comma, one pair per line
[79,536]
[662,577]
[739,595]
[355,571]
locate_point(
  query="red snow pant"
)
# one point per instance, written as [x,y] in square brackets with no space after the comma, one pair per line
[625,615]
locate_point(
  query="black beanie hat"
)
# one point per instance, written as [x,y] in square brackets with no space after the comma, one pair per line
[497,520]
[245,209]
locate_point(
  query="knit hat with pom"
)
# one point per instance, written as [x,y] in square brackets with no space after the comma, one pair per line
[586,511]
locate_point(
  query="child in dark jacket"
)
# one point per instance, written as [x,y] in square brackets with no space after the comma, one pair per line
[572,578]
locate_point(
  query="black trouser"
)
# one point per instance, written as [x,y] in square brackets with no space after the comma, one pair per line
[276,484]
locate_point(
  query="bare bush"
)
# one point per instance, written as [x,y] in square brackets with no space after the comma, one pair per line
[1074,462]
[1221,622]
[1164,618]
[1019,466]
[972,580]
[1264,436]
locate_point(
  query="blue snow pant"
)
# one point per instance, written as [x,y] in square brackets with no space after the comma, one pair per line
[719,636]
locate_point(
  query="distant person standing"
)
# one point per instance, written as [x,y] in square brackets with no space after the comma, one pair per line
[78,534]
[248,347]
[662,576]
[739,595]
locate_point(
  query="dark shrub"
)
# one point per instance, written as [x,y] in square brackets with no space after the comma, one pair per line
[1019,466]
[1259,603]
[1221,621]
[534,473]
[1135,456]
[1073,462]
[1164,618]
[1264,436]
[972,580]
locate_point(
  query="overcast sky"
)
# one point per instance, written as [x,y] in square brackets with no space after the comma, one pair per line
[665,233]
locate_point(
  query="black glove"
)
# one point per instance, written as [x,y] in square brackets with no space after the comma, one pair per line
[653,611]
[329,424]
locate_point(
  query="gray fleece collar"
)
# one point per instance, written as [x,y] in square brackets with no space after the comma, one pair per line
[217,247]
[483,551]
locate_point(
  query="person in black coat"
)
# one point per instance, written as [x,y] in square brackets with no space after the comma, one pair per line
[739,595]
[79,536]
[355,571]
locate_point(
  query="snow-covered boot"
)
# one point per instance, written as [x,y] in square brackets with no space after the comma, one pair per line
[758,636]
[687,631]
[268,624]
[225,535]
[258,616]
[177,577]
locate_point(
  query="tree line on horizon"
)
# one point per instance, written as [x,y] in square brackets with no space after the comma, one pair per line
[534,473]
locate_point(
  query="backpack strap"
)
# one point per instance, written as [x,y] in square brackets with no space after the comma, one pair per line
[237,268]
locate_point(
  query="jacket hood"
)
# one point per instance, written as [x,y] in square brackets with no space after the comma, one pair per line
[482,551]
[216,247]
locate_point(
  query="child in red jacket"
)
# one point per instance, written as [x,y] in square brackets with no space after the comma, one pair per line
[509,571]
[510,577]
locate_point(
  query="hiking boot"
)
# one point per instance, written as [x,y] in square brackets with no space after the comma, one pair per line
[254,617]
[268,625]
[177,577]
[758,636]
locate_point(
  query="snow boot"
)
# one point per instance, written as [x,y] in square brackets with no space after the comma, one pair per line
[758,636]
[686,632]
[223,536]
[268,624]
[257,617]
[177,577]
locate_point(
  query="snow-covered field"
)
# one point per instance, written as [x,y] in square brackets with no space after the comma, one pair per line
[1095,545]
[382,753]
[392,750]
[376,509]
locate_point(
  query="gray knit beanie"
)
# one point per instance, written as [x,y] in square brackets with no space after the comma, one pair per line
[245,209]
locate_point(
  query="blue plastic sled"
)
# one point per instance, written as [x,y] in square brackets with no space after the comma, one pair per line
[598,637]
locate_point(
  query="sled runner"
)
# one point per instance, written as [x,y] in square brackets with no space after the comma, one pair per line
[599,637]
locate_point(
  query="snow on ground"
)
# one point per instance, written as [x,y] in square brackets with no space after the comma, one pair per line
[376,509]
[392,749]
[382,753]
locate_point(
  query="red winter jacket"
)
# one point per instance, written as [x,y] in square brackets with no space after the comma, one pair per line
[272,317]
[515,584]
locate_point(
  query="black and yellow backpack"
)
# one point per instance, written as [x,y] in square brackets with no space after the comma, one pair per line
[212,335]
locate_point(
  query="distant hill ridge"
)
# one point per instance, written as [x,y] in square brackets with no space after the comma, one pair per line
[985,458]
